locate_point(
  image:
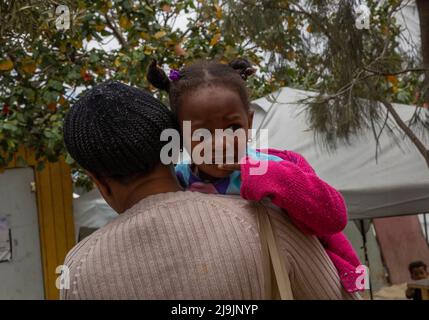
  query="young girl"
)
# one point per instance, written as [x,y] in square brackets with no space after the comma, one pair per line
[214,96]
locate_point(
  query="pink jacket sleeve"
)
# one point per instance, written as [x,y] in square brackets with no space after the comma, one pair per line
[312,204]
[345,260]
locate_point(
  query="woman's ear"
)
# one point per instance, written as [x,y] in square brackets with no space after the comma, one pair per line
[105,186]
[101,184]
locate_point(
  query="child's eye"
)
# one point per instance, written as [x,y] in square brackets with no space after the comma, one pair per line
[234,127]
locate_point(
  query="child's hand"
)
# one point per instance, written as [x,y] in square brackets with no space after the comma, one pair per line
[230,167]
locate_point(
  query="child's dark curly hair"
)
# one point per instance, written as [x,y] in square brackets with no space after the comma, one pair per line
[202,73]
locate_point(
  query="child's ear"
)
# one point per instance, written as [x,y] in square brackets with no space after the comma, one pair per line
[250,116]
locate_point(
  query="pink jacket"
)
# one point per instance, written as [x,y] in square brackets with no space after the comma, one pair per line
[314,206]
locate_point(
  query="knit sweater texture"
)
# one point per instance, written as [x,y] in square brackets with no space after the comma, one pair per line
[188,245]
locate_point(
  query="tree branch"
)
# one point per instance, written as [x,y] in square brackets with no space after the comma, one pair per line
[409,133]
[380,73]
[116,32]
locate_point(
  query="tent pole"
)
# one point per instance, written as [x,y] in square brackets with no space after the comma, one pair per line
[426,227]
[362,226]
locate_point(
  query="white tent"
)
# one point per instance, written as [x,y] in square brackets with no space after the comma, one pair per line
[396,184]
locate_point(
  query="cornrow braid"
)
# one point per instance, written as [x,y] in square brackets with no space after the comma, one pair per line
[114,130]
[203,73]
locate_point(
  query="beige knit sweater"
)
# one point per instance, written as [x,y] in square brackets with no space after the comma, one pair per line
[188,245]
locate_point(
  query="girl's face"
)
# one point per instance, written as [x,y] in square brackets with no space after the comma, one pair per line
[211,108]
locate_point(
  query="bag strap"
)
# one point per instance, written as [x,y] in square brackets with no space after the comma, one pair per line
[278,286]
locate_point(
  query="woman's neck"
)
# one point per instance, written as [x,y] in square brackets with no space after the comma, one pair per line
[160,183]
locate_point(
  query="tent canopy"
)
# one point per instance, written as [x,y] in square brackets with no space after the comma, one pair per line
[396,184]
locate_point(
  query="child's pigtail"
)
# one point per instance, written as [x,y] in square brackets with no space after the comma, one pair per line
[157,77]
[243,67]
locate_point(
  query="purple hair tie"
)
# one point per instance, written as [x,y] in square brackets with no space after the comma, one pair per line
[174,75]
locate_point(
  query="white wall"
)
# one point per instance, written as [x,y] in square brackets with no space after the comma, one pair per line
[22,277]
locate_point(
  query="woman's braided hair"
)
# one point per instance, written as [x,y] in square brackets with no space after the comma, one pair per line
[114,130]
[202,73]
